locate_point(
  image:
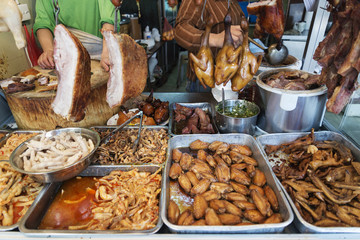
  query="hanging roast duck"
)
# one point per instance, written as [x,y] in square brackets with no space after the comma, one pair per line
[249,64]
[227,60]
[203,62]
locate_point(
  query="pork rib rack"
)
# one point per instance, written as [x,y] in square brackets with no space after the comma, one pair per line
[339,54]
[72,63]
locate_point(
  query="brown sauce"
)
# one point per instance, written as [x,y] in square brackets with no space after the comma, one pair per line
[72,204]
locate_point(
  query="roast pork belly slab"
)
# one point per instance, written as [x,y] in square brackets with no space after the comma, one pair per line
[128,68]
[72,63]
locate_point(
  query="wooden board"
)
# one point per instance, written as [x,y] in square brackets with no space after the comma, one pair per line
[32,110]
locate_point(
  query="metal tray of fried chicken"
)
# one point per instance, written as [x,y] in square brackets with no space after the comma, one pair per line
[175,128]
[182,143]
[34,218]
[152,148]
[281,138]
[11,134]
[17,201]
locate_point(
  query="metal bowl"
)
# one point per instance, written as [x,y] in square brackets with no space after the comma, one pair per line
[227,124]
[62,174]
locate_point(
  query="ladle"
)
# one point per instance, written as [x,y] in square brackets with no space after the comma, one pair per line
[275,54]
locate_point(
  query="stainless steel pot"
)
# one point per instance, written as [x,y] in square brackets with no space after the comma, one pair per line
[289,110]
[228,124]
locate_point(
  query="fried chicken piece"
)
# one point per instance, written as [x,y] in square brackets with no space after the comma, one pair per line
[275,218]
[271,197]
[186,161]
[261,203]
[221,187]
[214,145]
[243,149]
[245,205]
[218,205]
[232,209]
[201,187]
[240,176]
[259,178]
[222,172]
[185,183]
[192,177]
[211,161]
[176,155]
[212,218]
[234,196]
[173,212]
[175,171]
[254,216]
[198,145]
[229,219]
[211,195]
[200,222]
[200,205]
[201,155]
[240,188]
[183,216]
[223,148]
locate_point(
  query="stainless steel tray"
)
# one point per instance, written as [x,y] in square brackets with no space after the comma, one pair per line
[279,138]
[4,139]
[3,132]
[16,225]
[33,218]
[285,210]
[204,106]
[157,127]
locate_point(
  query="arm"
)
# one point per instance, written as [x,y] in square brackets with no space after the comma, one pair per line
[105,62]
[46,59]
[189,36]
[107,14]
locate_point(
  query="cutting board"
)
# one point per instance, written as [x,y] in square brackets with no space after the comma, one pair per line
[32,110]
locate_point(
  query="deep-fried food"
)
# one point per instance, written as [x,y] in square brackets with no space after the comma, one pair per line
[175,171]
[198,145]
[229,219]
[261,202]
[254,215]
[240,188]
[201,187]
[200,205]
[222,172]
[176,155]
[244,205]
[192,177]
[275,218]
[185,182]
[259,178]
[221,187]
[240,176]
[212,218]
[271,197]
[232,209]
[234,196]
[173,212]
[211,195]
[186,161]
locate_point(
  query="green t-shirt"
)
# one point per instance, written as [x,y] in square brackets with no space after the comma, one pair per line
[85,15]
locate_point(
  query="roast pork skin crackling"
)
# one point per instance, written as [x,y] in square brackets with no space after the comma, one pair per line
[72,63]
[128,68]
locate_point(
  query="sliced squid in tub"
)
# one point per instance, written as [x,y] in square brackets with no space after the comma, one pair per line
[128,68]
[72,62]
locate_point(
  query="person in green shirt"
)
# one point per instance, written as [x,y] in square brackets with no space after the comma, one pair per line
[84,18]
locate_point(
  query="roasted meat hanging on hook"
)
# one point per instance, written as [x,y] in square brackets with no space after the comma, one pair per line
[270,18]
[249,64]
[203,62]
[339,54]
[128,71]
[227,60]
[72,63]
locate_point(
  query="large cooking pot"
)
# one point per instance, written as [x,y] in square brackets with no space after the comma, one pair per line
[289,110]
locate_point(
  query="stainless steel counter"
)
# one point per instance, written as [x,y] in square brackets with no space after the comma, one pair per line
[289,233]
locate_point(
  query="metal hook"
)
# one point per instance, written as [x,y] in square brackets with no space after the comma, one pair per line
[202,11]
[228,5]
[56,11]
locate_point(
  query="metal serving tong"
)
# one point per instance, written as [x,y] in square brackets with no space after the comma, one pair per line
[107,138]
[56,11]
